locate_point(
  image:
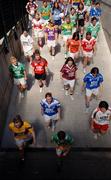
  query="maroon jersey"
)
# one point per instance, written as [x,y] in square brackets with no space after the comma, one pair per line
[31,8]
[68,72]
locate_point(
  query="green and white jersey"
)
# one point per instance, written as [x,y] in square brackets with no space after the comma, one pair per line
[67,28]
[17,71]
[68,140]
[93,29]
[73,19]
[45,12]
[87,2]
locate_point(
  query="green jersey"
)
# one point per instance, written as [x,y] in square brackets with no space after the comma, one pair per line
[93,29]
[45,12]
[73,19]
[17,71]
[67,28]
[68,140]
[87,2]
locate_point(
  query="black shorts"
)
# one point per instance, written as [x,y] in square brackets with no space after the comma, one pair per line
[40,76]
[81,22]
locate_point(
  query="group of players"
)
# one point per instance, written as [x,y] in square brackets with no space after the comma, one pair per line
[77,24]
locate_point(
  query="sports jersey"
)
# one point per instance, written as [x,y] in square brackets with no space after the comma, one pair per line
[73,45]
[45,12]
[37,24]
[39,66]
[31,7]
[51,31]
[88,45]
[17,71]
[87,2]
[67,28]
[50,109]
[68,140]
[93,29]
[27,42]
[76,2]
[68,72]
[81,14]
[73,19]
[93,82]
[22,132]
[95,12]
[56,14]
[100,117]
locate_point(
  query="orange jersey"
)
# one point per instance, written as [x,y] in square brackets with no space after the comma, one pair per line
[73,45]
[39,67]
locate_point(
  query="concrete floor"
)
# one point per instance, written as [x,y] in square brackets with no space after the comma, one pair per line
[74,120]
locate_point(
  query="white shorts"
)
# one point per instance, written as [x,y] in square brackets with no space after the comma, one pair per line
[89,92]
[28,53]
[21,81]
[88,54]
[66,37]
[71,83]
[53,117]
[51,43]
[73,55]
[38,33]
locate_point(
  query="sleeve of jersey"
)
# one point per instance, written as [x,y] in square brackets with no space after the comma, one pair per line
[58,105]
[46,63]
[62,69]
[23,67]
[11,126]
[28,127]
[10,69]
[85,79]
[70,140]
[32,64]
[42,103]
[94,113]
[101,78]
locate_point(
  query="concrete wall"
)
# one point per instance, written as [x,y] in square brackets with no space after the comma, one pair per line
[5,80]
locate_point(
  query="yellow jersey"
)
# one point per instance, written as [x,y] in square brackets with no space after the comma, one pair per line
[23,131]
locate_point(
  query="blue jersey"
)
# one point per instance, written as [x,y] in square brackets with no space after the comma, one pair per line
[94,12]
[56,14]
[93,82]
[50,109]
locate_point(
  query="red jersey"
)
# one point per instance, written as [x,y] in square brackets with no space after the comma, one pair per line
[88,45]
[68,72]
[31,7]
[38,25]
[39,66]
[73,45]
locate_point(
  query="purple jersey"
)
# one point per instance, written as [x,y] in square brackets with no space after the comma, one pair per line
[51,33]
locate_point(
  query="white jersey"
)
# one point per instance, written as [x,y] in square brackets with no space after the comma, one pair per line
[27,42]
[101,118]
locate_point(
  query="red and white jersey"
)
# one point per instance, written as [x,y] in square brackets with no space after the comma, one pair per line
[88,45]
[68,73]
[39,66]
[37,25]
[31,8]
[101,118]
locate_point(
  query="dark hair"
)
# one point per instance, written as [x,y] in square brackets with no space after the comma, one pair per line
[72,8]
[97,3]
[70,59]
[88,33]
[95,70]
[18,118]
[48,94]
[75,34]
[37,51]
[54,6]
[103,104]
[79,6]
[61,135]
[94,18]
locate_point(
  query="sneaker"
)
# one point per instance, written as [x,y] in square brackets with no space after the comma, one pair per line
[66,93]
[41,90]
[87,110]
[72,98]
[84,70]
[65,55]
[95,136]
